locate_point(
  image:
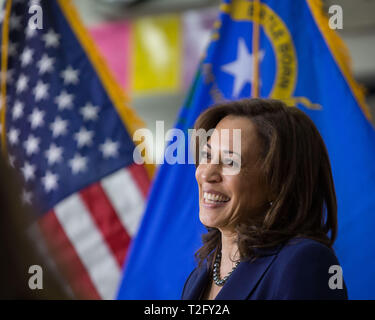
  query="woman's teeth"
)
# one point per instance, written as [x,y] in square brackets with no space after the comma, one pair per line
[214,198]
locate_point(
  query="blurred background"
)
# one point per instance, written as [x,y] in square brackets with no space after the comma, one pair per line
[153,48]
[164,33]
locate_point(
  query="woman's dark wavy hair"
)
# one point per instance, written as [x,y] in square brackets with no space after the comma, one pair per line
[295,166]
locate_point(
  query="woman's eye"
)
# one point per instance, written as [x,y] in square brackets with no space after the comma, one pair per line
[205,155]
[230,162]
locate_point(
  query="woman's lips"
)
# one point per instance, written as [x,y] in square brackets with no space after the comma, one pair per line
[212,205]
[213,199]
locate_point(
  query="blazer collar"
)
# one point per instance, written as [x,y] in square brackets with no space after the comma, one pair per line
[244,279]
[199,284]
[241,283]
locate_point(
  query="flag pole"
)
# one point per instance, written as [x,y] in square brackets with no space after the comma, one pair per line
[255,44]
[4,67]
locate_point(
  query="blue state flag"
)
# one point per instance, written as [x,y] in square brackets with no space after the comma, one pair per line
[283,50]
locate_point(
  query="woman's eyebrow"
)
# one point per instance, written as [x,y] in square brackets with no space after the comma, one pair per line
[225,151]
[231,152]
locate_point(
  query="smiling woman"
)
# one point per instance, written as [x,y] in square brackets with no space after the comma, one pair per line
[272,225]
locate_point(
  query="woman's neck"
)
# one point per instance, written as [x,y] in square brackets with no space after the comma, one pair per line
[229,252]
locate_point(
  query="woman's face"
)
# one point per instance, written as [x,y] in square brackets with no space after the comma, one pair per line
[226,199]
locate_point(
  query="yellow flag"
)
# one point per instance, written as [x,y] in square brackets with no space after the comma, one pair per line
[157,54]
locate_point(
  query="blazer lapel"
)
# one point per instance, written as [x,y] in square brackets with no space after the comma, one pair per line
[244,279]
[195,286]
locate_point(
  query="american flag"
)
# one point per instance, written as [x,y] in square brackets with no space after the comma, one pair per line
[68,137]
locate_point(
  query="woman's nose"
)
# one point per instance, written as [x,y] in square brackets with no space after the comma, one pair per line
[211,173]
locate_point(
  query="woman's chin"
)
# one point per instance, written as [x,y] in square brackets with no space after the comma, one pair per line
[208,220]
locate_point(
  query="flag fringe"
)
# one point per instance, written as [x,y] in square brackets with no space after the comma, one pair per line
[340,53]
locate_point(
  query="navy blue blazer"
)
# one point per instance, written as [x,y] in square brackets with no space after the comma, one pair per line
[295,270]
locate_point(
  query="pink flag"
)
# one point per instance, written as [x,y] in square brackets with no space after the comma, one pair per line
[113,41]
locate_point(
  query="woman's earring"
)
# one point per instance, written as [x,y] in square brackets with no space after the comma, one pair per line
[271,203]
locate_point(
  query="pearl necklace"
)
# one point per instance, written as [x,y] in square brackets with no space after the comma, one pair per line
[216,273]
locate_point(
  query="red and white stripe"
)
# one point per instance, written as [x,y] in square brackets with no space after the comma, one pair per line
[89,232]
